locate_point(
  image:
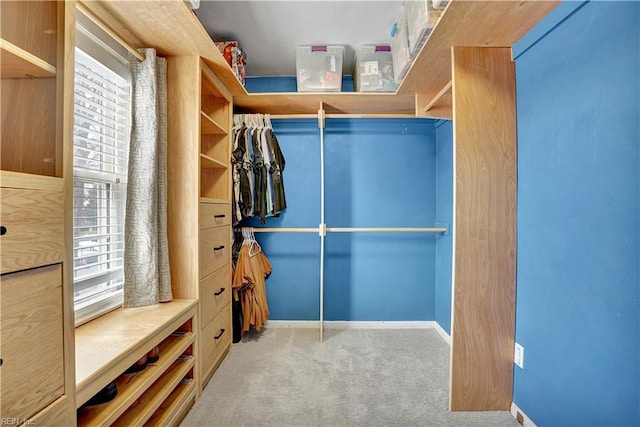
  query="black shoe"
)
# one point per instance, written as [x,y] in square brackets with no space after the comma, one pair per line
[154,355]
[107,394]
[138,366]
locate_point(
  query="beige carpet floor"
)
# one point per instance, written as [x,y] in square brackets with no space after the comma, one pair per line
[357,377]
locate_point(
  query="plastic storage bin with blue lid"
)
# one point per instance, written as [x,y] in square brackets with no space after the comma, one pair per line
[319,68]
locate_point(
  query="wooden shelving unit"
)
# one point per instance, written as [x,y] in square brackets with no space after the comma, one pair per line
[144,407]
[199,164]
[106,347]
[204,90]
[36,343]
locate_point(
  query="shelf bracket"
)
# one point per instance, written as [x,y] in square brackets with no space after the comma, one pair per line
[321,117]
[438,106]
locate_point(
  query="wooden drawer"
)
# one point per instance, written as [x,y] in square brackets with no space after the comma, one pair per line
[215,338]
[215,292]
[31,345]
[33,228]
[214,214]
[215,249]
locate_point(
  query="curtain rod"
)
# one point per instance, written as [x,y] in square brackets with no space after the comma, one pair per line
[104,27]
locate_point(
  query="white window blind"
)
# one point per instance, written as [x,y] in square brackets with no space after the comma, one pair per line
[102,115]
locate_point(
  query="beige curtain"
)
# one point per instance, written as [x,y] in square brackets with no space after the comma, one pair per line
[146,252]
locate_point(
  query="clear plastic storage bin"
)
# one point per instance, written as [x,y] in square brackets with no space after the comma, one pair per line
[400,47]
[422,16]
[373,69]
[319,68]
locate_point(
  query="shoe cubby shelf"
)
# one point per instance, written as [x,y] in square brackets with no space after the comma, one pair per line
[174,407]
[109,345]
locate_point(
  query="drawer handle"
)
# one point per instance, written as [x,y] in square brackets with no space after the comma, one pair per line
[217,337]
[3,230]
[218,248]
[1,362]
[219,292]
[219,216]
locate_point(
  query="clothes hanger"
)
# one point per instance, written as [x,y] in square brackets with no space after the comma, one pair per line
[254,245]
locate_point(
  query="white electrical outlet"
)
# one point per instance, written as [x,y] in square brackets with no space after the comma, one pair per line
[518,356]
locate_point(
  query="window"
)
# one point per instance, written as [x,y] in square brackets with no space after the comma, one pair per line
[102,115]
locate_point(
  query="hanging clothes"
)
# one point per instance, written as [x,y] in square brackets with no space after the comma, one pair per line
[258,166]
[278,163]
[248,282]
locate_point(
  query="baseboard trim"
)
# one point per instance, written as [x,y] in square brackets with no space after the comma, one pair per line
[517,413]
[356,324]
[302,324]
[445,336]
[341,324]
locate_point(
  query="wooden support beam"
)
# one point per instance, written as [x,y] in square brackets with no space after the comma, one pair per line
[483,323]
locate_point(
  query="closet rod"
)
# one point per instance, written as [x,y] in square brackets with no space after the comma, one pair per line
[350,230]
[281,230]
[344,116]
[387,230]
[107,29]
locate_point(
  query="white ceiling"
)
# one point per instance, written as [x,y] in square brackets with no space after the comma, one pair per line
[270,30]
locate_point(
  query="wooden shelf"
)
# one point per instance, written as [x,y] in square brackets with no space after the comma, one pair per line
[9,179]
[207,162]
[334,103]
[209,126]
[132,386]
[175,30]
[469,23]
[154,396]
[170,27]
[108,345]
[18,63]
[174,406]
[211,200]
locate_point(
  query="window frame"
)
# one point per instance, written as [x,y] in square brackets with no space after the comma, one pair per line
[108,183]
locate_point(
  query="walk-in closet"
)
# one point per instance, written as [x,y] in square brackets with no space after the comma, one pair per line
[220,213]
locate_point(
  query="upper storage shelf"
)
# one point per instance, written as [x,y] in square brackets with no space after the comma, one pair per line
[467,23]
[334,103]
[173,29]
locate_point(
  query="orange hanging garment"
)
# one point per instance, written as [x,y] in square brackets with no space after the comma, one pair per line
[249,276]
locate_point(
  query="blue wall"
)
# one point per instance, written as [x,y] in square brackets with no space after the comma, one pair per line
[444,217]
[578,269]
[285,84]
[379,173]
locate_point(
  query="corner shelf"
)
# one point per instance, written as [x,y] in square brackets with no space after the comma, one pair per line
[17,63]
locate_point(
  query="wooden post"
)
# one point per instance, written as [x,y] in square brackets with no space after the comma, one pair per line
[484,121]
